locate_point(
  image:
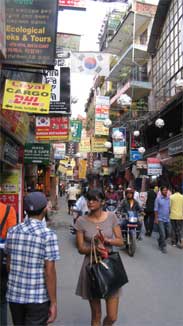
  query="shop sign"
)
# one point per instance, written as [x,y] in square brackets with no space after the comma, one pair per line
[154,166]
[37,153]
[26,97]
[59,151]
[73,4]
[31,32]
[135,155]
[101,114]
[97,145]
[9,150]
[2,30]
[52,128]
[10,181]
[59,79]
[119,146]
[84,145]
[10,199]
[75,130]
[175,147]
[17,123]
[70,42]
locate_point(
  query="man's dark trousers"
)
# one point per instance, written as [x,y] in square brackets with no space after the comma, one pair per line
[30,314]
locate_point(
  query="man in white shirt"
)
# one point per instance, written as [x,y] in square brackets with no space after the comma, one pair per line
[72,193]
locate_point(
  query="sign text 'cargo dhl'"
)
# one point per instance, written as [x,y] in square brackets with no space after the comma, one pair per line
[26,97]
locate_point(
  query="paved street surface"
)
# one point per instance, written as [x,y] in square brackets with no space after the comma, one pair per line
[154,295]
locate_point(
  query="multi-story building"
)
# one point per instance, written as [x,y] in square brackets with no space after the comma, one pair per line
[166,99]
[129,45]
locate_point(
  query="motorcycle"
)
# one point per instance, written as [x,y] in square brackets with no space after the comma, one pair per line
[111,205]
[131,229]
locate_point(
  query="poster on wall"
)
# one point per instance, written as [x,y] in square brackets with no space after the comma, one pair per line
[26,97]
[31,32]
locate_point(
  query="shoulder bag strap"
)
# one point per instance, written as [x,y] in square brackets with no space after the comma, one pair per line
[5,217]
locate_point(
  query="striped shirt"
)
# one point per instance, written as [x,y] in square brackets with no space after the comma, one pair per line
[29,244]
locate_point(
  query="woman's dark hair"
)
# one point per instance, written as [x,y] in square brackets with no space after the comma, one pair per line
[95,194]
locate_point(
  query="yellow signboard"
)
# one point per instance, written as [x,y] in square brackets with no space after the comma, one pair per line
[82,169]
[26,97]
[84,146]
[98,144]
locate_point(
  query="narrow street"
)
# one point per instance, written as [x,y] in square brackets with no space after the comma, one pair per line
[152,297]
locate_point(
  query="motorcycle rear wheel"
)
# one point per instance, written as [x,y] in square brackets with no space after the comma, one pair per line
[132,245]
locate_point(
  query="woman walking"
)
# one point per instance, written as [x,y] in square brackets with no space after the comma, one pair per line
[88,227]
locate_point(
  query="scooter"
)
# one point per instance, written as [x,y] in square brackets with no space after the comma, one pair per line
[131,229]
[111,205]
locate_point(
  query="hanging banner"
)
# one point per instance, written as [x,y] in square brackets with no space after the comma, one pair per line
[119,146]
[82,169]
[154,166]
[97,145]
[31,32]
[52,128]
[75,130]
[73,4]
[101,114]
[84,145]
[69,42]
[37,153]
[26,97]
[91,63]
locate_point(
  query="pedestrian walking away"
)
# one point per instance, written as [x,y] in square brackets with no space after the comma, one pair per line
[88,227]
[32,250]
[8,219]
[162,217]
[149,211]
[176,217]
[72,193]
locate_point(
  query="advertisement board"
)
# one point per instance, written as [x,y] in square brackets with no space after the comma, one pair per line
[52,128]
[135,155]
[154,166]
[70,42]
[16,122]
[82,169]
[75,130]
[31,32]
[26,97]
[59,151]
[37,153]
[9,150]
[119,146]
[84,145]
[73,4]
[97,145]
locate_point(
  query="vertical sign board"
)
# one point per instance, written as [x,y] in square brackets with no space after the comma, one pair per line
[31,32]
[119,146]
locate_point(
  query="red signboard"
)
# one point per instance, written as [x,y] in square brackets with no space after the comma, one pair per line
[76,4]
[11,199]
[52,128]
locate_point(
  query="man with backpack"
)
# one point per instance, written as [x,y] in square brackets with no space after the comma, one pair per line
[8,219]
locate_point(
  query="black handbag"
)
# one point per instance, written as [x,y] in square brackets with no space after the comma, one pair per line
[106,275]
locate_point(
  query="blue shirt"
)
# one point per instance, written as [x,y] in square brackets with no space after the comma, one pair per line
[162,206]
[29,244]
